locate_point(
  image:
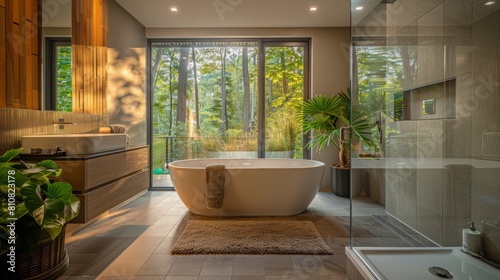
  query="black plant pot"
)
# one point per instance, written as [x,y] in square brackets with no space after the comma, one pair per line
[340,182]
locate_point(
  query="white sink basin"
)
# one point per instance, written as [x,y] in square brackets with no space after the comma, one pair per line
[75,143]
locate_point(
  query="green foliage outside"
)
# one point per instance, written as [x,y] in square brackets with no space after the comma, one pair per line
[63,79]
[222,100]
[380,70]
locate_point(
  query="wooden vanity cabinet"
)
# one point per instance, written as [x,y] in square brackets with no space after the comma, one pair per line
[104,181]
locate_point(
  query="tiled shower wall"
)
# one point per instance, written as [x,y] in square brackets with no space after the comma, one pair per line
[447,39]
[15,123]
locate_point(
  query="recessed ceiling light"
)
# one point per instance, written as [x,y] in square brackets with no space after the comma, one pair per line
[359,8]
[174,9]
[312,9]
[489,3]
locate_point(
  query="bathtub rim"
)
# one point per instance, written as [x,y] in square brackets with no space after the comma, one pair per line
[316,164]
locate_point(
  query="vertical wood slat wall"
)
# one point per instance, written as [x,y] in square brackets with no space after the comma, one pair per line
[89,45]
[19,54]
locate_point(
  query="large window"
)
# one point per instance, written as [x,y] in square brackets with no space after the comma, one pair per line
[226,99]
[58,81]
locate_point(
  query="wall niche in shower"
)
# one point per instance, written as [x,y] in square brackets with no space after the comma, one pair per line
[433,101]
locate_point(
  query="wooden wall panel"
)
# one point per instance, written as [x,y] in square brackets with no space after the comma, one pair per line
[27,9]
[89,30]
[28,83]
[14,6]
[3,57]
[2,27]
[35,29]
[19,40]
[12,67]
[24,38]
[36,84]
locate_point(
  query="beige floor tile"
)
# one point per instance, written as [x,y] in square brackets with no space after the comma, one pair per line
[248,265]
[181,278]
[157,264]
[115,278]
[142,277]
[217,265]
[187,265]
[276,265]
[166,245]
[306,266]
[248,278]
[133,258]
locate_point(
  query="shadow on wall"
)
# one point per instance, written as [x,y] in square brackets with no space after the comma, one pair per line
[127,91]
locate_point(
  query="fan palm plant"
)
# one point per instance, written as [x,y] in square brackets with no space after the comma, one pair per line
[378,107]
[328,116]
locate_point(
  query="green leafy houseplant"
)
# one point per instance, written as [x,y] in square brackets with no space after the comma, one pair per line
[32,203]
[326,116]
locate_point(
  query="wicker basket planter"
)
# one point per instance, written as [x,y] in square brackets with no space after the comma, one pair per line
[48,261]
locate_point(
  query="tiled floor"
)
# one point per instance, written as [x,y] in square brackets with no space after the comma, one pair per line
[134,242]
[162,181]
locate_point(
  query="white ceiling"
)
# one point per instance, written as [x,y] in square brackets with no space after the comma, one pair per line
[226,13]
[239,13]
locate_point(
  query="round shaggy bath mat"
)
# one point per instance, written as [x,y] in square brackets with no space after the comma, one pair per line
[251,237]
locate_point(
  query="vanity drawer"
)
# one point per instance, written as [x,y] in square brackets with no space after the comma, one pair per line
[104,169]
[87,174]
[100,200]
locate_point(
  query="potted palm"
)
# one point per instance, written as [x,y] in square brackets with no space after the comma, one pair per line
[380,108]
[34,211]
[333,119]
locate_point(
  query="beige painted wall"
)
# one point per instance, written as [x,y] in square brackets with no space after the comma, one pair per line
[127,98]
[330,60]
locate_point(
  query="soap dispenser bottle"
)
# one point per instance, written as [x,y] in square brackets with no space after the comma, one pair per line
[471,239]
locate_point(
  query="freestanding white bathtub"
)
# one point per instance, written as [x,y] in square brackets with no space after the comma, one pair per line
[253,187]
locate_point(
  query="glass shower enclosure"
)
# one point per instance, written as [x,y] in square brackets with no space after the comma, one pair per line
[427,75]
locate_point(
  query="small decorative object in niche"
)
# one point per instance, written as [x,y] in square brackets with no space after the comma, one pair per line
[433,101]
[428,107]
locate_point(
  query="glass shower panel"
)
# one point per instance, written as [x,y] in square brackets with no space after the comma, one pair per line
[427,77]
[433,75]
[383,174]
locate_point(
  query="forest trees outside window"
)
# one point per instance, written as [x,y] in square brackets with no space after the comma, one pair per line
[217,99]
[58,81]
